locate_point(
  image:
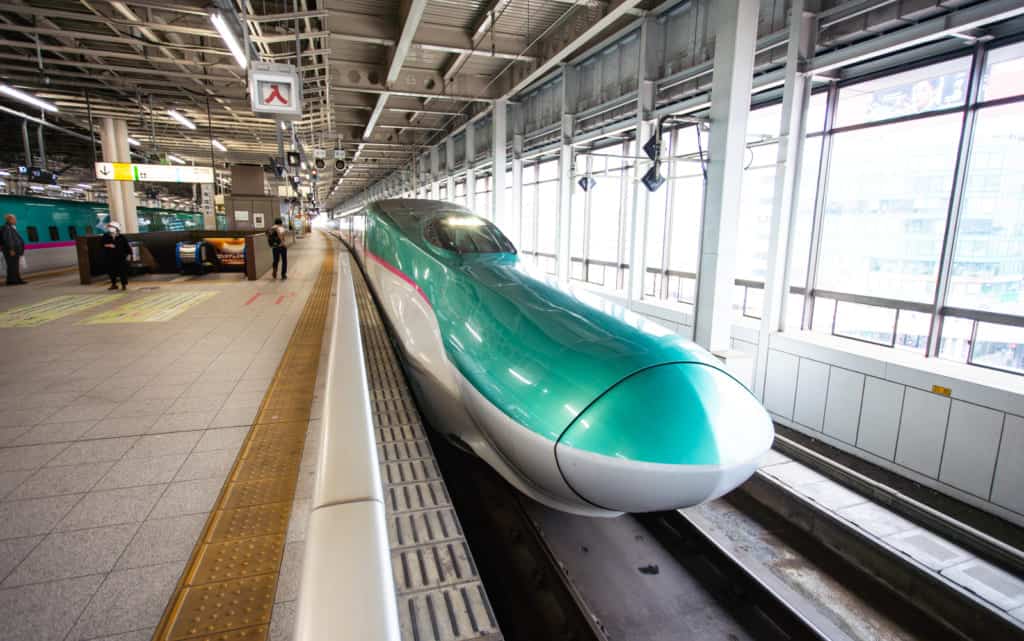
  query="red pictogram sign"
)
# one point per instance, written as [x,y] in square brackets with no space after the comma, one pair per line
[275,93]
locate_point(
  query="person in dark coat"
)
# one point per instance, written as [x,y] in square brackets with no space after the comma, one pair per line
[14,249]
[116,252]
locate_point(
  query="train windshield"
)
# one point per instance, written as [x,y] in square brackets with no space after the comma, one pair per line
[468,235]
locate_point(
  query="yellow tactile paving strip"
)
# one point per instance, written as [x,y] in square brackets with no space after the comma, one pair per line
[227,590]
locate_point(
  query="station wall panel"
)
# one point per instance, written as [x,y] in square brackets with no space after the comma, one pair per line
[780,383]
[880,417]
[842,404]
[1009,477]
[811,391]
[972,442]
[922,431]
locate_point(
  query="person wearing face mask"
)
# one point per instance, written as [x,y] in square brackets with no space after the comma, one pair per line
[14,249]
[116,251]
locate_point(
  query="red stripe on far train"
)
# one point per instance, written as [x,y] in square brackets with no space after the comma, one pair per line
[397,272]
[62,243]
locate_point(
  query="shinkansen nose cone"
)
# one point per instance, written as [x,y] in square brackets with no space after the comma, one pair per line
[666,437]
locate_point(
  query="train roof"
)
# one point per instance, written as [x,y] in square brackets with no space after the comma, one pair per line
[408,213]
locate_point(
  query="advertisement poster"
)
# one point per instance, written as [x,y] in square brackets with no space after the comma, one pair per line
[257,220]
[230,251]
[241,214]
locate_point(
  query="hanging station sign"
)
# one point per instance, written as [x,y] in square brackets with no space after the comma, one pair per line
[274,90]
[153,173]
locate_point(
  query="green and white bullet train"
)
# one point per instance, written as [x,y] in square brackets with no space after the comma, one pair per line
[577,402]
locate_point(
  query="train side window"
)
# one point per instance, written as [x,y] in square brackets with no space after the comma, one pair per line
[72,232]
[33,234]
[54,232]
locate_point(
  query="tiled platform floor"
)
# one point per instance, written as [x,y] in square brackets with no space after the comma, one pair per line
[115,440]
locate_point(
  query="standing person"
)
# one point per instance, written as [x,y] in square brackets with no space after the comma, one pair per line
[275,238]
[116,251]
[14,249]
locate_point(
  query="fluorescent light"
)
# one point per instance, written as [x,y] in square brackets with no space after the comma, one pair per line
[229,39]
[133,142]
[185,122]
[174,158]
[85,185]
[217,144]
[27,97]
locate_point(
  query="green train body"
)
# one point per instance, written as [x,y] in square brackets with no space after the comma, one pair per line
[576,401]
[50,226]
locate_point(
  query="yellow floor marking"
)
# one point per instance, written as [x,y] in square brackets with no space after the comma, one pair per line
[227,590]
[51,309]
[153,308]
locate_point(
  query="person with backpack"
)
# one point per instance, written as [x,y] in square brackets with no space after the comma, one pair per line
[275,238]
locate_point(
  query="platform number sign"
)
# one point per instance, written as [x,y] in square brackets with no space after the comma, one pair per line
[275,90]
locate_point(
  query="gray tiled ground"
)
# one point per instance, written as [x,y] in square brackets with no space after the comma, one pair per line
[115,441]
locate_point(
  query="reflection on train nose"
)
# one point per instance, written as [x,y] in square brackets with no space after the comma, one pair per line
[667,437]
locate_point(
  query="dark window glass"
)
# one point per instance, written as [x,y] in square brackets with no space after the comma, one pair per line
[54,233]
[72,232]
[33,234]
[467,235]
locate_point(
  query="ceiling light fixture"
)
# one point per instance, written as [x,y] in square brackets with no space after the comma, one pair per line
[185,122]
[133,142]
[27,97]
[229,39]
[217,144]
[174,158]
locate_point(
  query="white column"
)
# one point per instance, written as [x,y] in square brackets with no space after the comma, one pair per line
[470,162]
[646,126]
[124,154]
[795,97]
[108,143]
[565,173]
[735,24]
[516,215]
[435,171]
[449,149]
[499,133]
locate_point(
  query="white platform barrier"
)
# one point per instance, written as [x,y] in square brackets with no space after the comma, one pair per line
[347,591]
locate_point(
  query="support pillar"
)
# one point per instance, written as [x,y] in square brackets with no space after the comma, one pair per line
[108,143]
[516,215]
[565,171]
[499,134]
[470,162]
[120,193]
[735,24]
[435,171]
[795,97]
[42,147]
[449,154]
[646,126]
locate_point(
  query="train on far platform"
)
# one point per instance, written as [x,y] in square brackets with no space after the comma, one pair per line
[50,226]
[576,401]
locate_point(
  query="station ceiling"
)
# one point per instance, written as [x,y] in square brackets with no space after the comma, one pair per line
[381,78]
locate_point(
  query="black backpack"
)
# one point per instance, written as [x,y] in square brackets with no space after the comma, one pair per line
[273,237]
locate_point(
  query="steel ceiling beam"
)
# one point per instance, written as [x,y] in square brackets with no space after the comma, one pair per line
[413,13]
[355,27]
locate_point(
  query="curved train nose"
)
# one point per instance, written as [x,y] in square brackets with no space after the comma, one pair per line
[666,437]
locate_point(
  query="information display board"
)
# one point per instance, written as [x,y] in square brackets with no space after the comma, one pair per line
[154,173]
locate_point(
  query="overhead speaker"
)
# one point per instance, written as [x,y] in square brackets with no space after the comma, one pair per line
[653,147]
[586,183]
[652,180]
[340,165]
[319,163]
